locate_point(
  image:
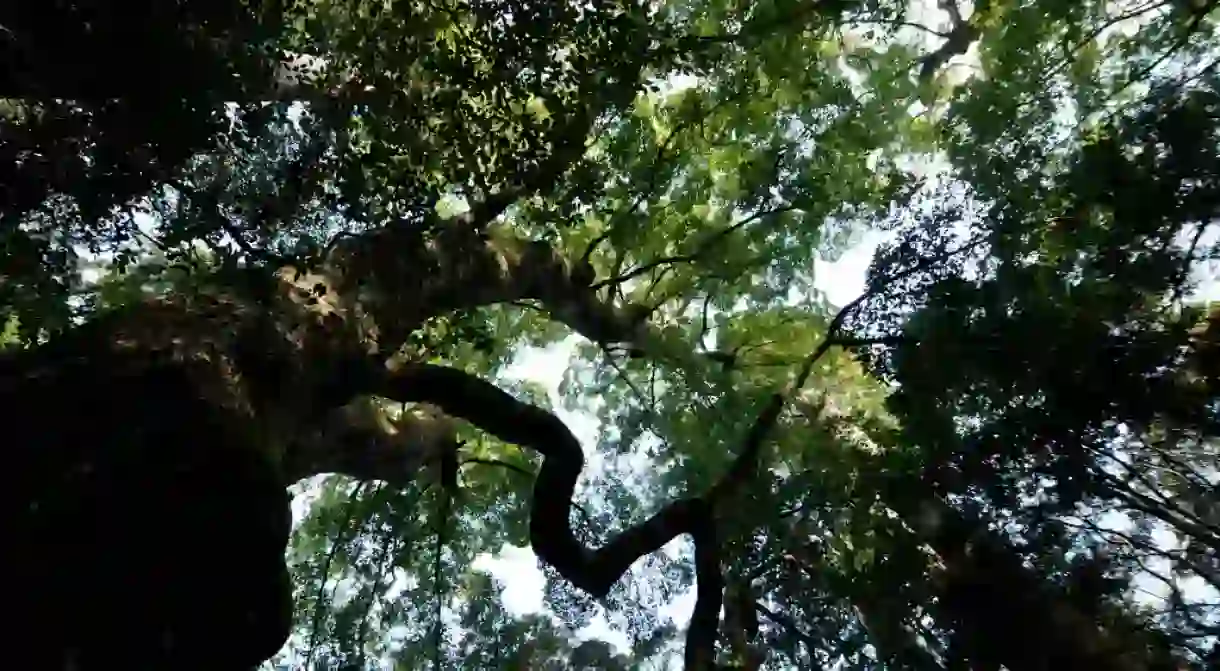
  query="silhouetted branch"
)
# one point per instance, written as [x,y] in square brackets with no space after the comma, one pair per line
[703,248]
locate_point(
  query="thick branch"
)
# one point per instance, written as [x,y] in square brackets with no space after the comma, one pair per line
[359,440]
[461,267]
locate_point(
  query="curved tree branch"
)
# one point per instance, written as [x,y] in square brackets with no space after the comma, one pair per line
[497,412]
[594,571]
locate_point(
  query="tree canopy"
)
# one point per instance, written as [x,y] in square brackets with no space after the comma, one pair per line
[248,245]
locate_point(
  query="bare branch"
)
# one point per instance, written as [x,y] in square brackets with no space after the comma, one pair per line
[902,24]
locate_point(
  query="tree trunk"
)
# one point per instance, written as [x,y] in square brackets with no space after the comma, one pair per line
[144,522]
[1007,615]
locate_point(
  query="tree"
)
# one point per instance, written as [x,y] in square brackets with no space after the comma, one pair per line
[1072,409]
[316,259]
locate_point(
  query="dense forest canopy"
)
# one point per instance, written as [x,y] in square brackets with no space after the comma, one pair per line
[248,245]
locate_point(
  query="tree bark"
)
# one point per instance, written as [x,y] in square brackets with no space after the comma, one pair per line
[141,508]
